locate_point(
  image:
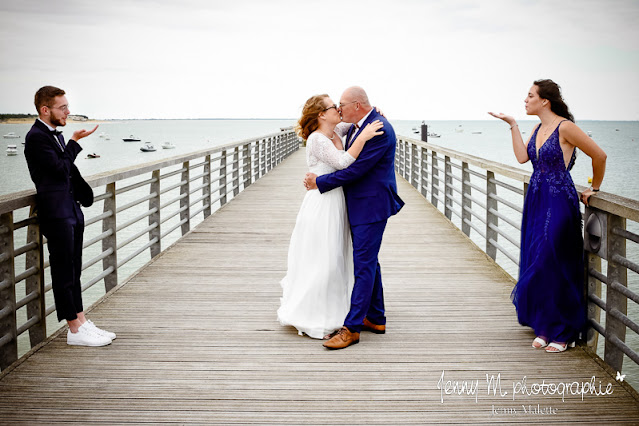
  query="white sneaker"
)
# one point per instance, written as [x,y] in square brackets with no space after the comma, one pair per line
[86,337]
[99,331]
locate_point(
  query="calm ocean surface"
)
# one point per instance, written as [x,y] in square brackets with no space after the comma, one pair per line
[620,140]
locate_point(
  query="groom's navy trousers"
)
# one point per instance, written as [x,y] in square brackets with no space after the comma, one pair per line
[368,301]
[371,198]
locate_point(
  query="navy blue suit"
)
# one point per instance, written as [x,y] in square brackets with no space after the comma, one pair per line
[60,190]
[371,196]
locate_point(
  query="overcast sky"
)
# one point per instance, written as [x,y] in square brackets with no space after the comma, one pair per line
[417,59]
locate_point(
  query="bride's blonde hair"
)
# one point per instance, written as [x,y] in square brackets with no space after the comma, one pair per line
[309,122]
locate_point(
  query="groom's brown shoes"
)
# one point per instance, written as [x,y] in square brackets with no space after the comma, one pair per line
[343,339]
[374,328]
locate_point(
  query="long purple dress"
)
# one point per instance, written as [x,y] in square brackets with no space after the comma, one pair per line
[549,295]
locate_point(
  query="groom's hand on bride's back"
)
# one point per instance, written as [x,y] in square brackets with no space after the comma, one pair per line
[309,181]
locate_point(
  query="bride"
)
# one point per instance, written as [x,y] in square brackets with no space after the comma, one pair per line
[318,284]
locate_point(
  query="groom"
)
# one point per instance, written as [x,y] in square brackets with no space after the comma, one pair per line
[371,198]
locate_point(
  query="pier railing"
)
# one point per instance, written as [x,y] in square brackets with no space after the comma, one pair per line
[138,212]
[485,200]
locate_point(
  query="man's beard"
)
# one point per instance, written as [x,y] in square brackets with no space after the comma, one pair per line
[56,122]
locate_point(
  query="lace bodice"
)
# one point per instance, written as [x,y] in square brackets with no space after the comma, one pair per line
[549,167]
[321,155]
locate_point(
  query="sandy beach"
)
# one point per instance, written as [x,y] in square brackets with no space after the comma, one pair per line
[31,119]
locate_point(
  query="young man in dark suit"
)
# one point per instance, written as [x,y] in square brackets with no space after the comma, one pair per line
[60,191]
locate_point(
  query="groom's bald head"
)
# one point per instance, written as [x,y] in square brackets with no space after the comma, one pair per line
[354,104]
[356,93]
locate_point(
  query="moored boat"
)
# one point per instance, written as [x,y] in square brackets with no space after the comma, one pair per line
[12,150]
[131,138]
[147,147]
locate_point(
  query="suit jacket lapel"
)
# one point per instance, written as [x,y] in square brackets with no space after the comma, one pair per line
[46,130]
[371,117]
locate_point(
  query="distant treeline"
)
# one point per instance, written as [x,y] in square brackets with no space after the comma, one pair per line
[10,116]
[4,117]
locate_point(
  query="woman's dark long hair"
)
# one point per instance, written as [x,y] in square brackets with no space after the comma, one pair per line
[551,91]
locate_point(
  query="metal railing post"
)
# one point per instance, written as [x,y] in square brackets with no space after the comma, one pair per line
[34,258]
[236,171]
[424,173]
[110,242]
[448,191]
[414,167]
[247,165]
[491,219]
[434,179]
[222,181]
[154,203]
[206,190]
[8,323]
[466,203]
[404,162]
[593,286]
[615,329]
[262,157]
[185,202]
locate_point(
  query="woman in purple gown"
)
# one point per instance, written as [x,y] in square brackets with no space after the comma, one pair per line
[549,295]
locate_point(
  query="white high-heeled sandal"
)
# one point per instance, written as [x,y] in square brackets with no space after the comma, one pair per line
[559,347]
[542,343]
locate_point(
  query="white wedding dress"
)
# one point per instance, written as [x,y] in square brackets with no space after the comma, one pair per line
[319,281]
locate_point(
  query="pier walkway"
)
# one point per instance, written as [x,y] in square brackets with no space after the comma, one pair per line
[199,342]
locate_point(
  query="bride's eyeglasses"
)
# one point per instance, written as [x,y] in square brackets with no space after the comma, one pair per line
[332,106]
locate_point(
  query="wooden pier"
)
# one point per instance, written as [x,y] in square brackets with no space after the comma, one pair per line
[199,342]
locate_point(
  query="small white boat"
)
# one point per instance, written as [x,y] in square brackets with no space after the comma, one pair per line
[168,145]
[93,155]
[459,129]
[102,134]
[131,139]
[416,130]
[107,137]
[147,147]
[589,132]
[10,135]
[434,135]
[477,132]
[12,150]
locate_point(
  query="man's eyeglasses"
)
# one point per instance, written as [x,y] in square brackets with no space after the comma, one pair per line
[61,108]
[341,105]
[332,106]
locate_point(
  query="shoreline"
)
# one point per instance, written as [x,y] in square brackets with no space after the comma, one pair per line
[32,119]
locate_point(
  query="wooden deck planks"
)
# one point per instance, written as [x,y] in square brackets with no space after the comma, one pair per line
[199,342]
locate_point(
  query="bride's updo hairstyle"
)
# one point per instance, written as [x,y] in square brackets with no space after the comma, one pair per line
[551,91]
[308,123]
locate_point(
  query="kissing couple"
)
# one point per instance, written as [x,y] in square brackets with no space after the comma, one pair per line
[333,286]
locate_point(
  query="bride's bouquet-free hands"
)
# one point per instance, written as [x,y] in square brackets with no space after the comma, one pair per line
[371,130]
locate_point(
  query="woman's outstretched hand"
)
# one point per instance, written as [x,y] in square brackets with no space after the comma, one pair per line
[372,129]
[507,118]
